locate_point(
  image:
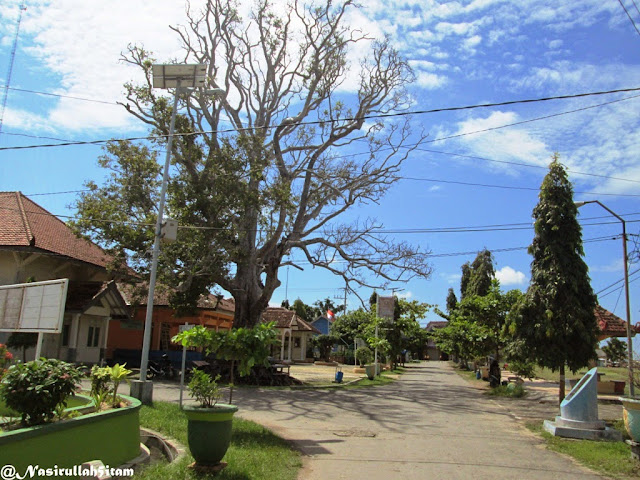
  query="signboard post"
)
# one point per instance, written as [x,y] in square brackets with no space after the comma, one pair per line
[183,328]
[36,307]
[385,308]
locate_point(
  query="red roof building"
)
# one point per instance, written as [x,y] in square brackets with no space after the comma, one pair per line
[36,246]
[295,332]
[611,325]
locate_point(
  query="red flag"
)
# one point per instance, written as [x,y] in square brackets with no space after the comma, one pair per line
[330,316]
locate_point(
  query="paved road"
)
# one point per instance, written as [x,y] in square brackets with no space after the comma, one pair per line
[429,424]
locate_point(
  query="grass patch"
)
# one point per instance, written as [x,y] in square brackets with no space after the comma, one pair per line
[382,379]
[609,373]
[511,390]
[611,458]
[255,453]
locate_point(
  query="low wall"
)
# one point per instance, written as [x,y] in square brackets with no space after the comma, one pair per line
[112,436]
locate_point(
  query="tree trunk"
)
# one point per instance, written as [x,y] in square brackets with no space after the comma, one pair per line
[247,312]
[561,389]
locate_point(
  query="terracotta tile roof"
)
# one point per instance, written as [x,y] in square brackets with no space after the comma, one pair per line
[285,318]
[81,295]
[161,298]
[611,325]
[24,223]
[433,325]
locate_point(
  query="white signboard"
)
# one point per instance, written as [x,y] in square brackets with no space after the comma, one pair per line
[386,307]
[33,307]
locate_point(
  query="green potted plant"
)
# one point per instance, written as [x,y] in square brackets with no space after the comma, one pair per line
[364,355]
[209,424]
[35,389]
[631,410]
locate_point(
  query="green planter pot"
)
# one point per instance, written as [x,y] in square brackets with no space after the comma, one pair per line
[631,416]
[371,371]
[209,432]
[112,436]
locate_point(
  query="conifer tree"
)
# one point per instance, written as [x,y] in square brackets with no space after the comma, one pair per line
[556,321]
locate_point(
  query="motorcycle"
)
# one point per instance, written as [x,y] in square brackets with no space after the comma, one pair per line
[161,369]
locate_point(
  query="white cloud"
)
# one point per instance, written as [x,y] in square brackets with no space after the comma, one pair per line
[451,278]
[614,267]
[509,276]
[406,295]
[515,144]
[430,81]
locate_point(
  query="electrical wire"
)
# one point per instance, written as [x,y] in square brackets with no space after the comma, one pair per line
[84,99]
[510,187]
[462,229]
[629,15]
[347,119]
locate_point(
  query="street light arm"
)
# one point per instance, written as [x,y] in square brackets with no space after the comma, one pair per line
[626,289]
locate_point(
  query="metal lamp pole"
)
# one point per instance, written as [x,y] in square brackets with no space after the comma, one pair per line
[626,290]
[164,76]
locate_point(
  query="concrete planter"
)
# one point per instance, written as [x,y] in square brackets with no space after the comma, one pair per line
[209,432]
[631,416]
[112,436]
[370,371]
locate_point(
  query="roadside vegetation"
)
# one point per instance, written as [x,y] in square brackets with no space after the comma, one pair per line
[254,453]
[609,458]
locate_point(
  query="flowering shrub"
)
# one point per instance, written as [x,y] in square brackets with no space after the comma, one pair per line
[35,389]
[5,359]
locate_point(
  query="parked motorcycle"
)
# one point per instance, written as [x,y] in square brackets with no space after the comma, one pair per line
[161,369]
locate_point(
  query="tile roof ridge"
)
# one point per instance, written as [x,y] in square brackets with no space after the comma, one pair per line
[25,220]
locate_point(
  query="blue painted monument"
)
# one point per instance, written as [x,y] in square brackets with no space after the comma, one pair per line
[579,413]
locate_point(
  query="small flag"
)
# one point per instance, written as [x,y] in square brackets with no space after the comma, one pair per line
[330,316]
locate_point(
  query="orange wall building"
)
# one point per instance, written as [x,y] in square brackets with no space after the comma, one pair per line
[212,312]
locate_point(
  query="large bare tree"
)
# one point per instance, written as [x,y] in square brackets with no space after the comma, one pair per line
[270,166]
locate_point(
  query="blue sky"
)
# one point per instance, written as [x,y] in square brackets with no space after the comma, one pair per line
[482,180]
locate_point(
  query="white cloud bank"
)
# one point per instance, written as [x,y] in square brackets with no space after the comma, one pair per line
[509,276]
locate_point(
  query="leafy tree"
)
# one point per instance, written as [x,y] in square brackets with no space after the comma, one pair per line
[465,279]
[490,311]
[452,301]
[303,310]
[350,326]
[244,347]
[273,181]
[321,307]
[555,321]
[482,274]
[401,333]
[616,350]
[324,344]
[285,304]
[464,339]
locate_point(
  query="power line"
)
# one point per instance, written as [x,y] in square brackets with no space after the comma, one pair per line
[460,229]
[55,193]
[474,157]
[509,187]
[347,119]
[629,15]
[520,164]
[84,99]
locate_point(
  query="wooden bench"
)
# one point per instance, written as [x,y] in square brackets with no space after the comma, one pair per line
[516,380]
[279,369]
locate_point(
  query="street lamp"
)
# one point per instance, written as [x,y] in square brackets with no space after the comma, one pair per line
[626,289]
[179,77]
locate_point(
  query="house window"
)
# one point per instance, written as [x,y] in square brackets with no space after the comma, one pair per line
[296,342]
[93,337]
[65,334]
